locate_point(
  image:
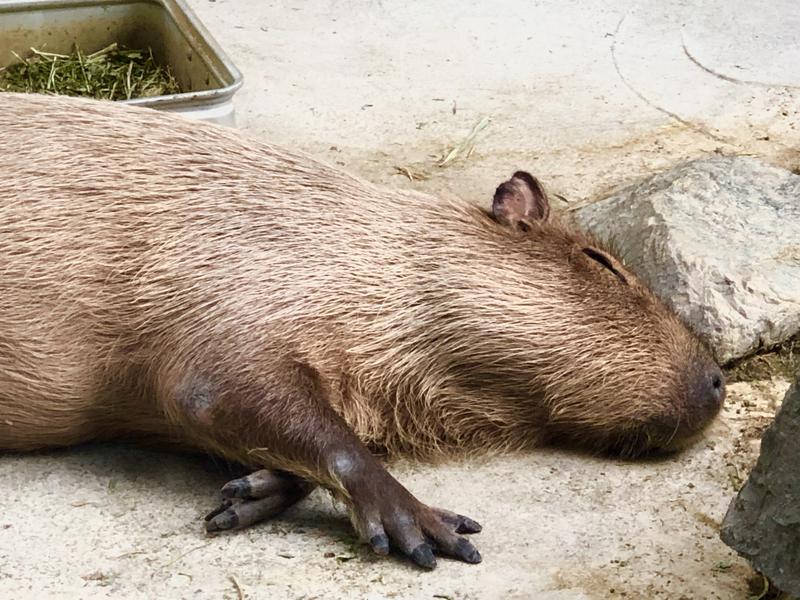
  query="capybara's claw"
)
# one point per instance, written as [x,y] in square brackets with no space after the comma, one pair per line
[380,544]
[238,488]
[225,504]
[467,525]
[459,523]
[261,484]
[423,556]
[222,519]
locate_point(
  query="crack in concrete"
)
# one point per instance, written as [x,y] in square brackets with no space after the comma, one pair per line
[689,124]
[728,78]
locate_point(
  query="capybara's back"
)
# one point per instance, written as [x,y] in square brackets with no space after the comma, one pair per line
[137,248]
[167,279]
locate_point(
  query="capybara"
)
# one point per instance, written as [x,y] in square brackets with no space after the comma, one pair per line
[168,280]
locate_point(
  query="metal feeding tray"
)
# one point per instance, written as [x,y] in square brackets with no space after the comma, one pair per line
[173,32]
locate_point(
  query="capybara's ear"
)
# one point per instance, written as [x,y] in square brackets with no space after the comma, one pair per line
[520,200]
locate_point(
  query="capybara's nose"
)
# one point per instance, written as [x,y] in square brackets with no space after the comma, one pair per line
[710,390]
[718,387]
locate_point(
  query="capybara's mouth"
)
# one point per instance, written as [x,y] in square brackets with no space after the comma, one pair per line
[662,437]
[680,444]
[686,433]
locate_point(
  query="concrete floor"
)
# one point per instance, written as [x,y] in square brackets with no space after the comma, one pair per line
[588,98]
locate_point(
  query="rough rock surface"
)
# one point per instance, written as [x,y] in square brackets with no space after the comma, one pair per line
[763,521]
[719,240]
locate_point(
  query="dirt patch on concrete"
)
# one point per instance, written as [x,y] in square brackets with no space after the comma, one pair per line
[783,361]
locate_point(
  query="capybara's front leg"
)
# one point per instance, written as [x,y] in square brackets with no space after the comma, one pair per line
[288,424]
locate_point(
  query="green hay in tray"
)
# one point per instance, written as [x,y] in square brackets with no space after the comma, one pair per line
[113,73]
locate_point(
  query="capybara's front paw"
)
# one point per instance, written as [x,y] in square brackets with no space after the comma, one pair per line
[256,497]
[395,519]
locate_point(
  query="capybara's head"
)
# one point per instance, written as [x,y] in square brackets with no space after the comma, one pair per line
[579,342]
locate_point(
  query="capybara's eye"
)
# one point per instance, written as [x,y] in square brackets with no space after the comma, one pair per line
[605,261]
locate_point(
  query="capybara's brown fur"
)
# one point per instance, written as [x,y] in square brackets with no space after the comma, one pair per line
[167,279]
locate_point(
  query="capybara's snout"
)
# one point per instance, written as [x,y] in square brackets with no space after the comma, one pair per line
[706,392]
[684,421]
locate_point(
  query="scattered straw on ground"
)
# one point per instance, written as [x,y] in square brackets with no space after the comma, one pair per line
[461,151]
[465,148]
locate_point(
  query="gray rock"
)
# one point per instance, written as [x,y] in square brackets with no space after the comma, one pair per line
[763,521]
[719,240]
